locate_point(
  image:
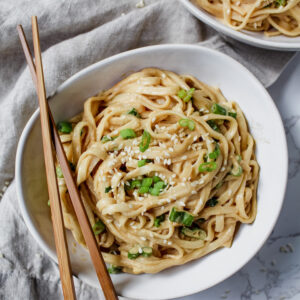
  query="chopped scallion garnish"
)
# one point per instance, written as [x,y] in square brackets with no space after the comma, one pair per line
[108,189]
[145,142]
[134,112]
[195,233]
[218,109]
[237,171]
[158,220]
[212,202]
[208,166]
[215,154]
[127,133]
[98,227]
[143,162]
[181,217]
[147,251]
[106,139]
[232,114]
[114,269]
[186,96]
[187,123]
[134,252]
[64,127]
[213,125]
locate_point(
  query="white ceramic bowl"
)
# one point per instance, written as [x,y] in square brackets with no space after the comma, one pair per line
[249,37]
[213,68]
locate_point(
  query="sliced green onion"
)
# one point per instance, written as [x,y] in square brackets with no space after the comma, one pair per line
[181,217]
[114,269]
[147,251]
[108,189]
[59,172]
[158,220]
[135,183]
[143,162]
[187,123]
[208,166]
[232,114]
[218,109]
[213,125]
[237,171]
[186,96]
[134,112]
[64,127]
[159,185]
[238,158]
[144,189]
[48,202]
[106,139]
[134,252]
[195,233]
[156,179]
[127,133]
[280,2]
[215,154]
[147,181]
[145,142]
[181,94]
[154,191]
[98,227]
[212,202]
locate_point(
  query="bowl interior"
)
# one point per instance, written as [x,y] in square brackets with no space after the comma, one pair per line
[258,39]
[212,68]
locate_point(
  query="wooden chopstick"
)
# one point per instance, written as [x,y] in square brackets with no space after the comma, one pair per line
[99,264]
[56,210]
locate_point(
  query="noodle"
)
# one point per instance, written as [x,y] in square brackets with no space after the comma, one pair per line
[273,17]
[166,169]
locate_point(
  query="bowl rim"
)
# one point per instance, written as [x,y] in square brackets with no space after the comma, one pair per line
[28,127]
[238,35]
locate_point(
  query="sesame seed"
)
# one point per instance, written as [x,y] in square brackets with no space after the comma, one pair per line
[222,169]
[184,157]
[143,238]
[165,241]
[228,11]
[153,119]
[205,117]
[169,243]
[171,149]
[201,181]
[194,192]
[140,250]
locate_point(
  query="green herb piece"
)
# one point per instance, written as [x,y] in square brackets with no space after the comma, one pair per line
[64,127]
[98,227]
[154,191]
[143,162]
[114,269]
[108,189]
[147,251]
[218,109]
[134,112]
[127,133]
[181,94]
[147,181]
[186,96]
[59,172]
[195,233]
[280,2]
[232,114]
[135,184]
[237,171]
[159,220]
[238,158]
[159,185]
[213,125]
[215,154]
[145,142]
[134,252]
[144,189]
[208,166]
[187,123]
[48,202]
[181,217]
[106,139]
[156,179]
[212,202]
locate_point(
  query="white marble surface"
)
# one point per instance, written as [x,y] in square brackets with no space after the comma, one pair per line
[274,273]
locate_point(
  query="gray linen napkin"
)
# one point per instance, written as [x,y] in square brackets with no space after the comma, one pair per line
[75,34]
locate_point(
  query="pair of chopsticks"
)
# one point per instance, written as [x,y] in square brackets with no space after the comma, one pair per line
[51,138]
